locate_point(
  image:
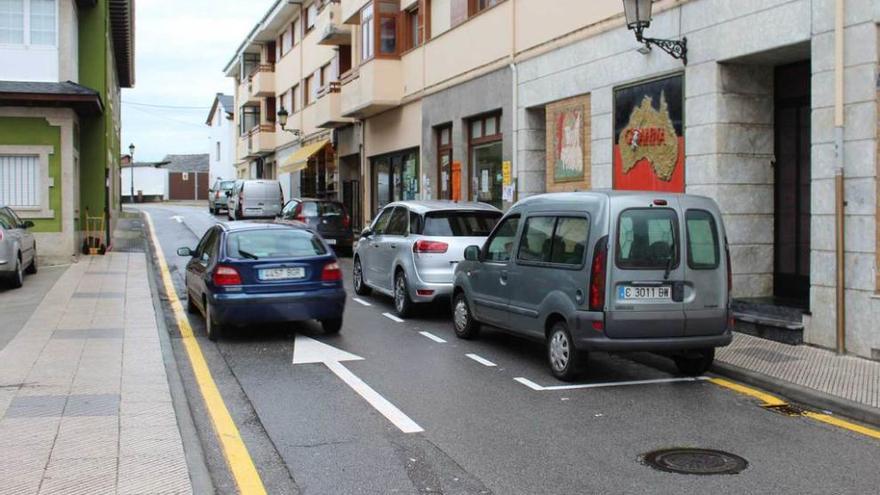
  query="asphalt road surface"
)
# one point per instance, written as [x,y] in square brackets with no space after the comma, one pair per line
[482,431]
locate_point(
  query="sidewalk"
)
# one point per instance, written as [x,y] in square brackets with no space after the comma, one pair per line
[85,405]
[843,384]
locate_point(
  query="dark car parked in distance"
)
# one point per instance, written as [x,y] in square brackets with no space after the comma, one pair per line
[328,218]
[248,272]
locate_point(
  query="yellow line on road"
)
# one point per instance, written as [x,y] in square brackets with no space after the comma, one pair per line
[767,399]
[237,457]
[771,401]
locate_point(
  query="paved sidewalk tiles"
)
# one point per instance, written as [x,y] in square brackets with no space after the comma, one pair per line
[845,377]
[85,405]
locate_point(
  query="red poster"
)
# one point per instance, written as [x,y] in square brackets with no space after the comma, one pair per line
[649,139]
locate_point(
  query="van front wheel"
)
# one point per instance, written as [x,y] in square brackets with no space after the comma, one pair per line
[695,363]
[566,362]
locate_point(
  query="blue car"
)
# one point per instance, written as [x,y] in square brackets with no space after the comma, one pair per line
[248,272]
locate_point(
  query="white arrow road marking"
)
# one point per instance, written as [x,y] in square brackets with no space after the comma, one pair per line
[481,360]
[534,386]
[360,301]
[309,351]
[177,218]
[433,337]
[392,317]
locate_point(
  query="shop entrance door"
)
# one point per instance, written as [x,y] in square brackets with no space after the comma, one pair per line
[791,280]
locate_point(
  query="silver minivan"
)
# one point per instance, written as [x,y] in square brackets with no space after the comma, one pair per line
[410,251]
[603,271]
[18,249]
[255,199]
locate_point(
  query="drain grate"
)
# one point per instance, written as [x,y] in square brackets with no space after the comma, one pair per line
[695,461]
[785,409]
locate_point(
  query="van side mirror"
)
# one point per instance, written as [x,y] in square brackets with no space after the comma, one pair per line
[185,251]
[367,232]
[27,224]
[472,253]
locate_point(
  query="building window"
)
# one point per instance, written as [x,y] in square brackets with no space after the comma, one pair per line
[20,181]
[395,178]
[294,100]
[413,25]
[294,31]
[28,22]
[311,13]
[481,5]
[217,151]
[286,41]
[367,33]
[250,118]
[486,147]
[446,176]
[308,90]
[249,64]
[388,13]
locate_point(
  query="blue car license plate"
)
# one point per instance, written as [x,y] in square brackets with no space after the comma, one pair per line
[282,273]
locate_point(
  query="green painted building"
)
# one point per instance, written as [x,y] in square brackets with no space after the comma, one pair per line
[60,114]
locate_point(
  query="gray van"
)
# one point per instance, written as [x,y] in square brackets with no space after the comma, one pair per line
[255,199]
[603,271]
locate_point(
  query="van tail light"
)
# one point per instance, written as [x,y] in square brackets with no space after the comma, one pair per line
[297,213]
[598,272]
[331,272]
[226,275]
[729,270]
[346,221]
[435,247]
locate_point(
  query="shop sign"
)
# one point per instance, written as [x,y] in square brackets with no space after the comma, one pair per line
[649,138]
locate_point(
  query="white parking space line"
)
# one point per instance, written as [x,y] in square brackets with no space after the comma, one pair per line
[534,386]
[381,404]
[483,361]
[433,337]
[360,301]
[392,317]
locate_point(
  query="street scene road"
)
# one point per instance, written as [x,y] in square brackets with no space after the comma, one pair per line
[487,415]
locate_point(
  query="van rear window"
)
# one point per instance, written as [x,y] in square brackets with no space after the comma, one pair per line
[702,236]
[646,239]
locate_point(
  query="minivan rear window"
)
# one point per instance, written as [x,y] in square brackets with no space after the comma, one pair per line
[460,223]
[273,244]
[227,184]
[322,209]
[702,236]
[646,239]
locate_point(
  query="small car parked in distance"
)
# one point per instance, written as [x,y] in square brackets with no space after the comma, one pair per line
[603,271]
[249,272]
[217,199]
[411,249]
[328,218]
[18,249]
[254,199]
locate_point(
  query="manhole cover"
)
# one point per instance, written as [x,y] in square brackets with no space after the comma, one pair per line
[695,461]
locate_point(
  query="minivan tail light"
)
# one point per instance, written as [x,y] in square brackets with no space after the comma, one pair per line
[729,270]
[598,272]
[424,246]
[660,202]
[346,221]
[331,273]
[226,275]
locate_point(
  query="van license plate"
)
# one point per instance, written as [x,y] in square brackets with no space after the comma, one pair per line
[282,273]
[331,242]
[641,293]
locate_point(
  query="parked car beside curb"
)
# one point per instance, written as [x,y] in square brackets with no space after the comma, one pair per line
[603,271]
[18,249]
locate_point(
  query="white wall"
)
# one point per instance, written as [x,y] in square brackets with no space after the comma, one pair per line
[221,130]
[151,181]
[26,62]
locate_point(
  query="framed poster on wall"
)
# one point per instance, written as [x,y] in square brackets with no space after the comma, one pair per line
[649,135]
[568,144]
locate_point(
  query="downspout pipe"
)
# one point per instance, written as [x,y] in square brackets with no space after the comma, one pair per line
[514,119]
[839,200]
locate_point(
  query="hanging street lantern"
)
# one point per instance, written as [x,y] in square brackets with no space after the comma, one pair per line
[638,18]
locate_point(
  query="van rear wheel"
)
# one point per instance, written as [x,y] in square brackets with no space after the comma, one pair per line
[566,362]
[695,363]
[466,327]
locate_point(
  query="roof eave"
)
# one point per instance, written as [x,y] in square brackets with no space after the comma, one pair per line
[122,24]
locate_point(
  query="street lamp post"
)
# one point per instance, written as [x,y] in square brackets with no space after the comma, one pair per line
[638,18]
[283,114]
[131,169]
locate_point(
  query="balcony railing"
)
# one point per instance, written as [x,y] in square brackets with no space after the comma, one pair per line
[260,140]
[261,82]
[328,107]
[331,30]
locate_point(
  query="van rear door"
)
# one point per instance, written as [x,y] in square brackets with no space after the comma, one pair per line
[705,287]
[647,269]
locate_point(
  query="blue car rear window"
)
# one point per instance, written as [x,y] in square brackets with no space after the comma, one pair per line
[273,244]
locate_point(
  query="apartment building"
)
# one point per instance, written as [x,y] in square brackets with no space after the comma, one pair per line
[62,64]
[495,100]
[222,135]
